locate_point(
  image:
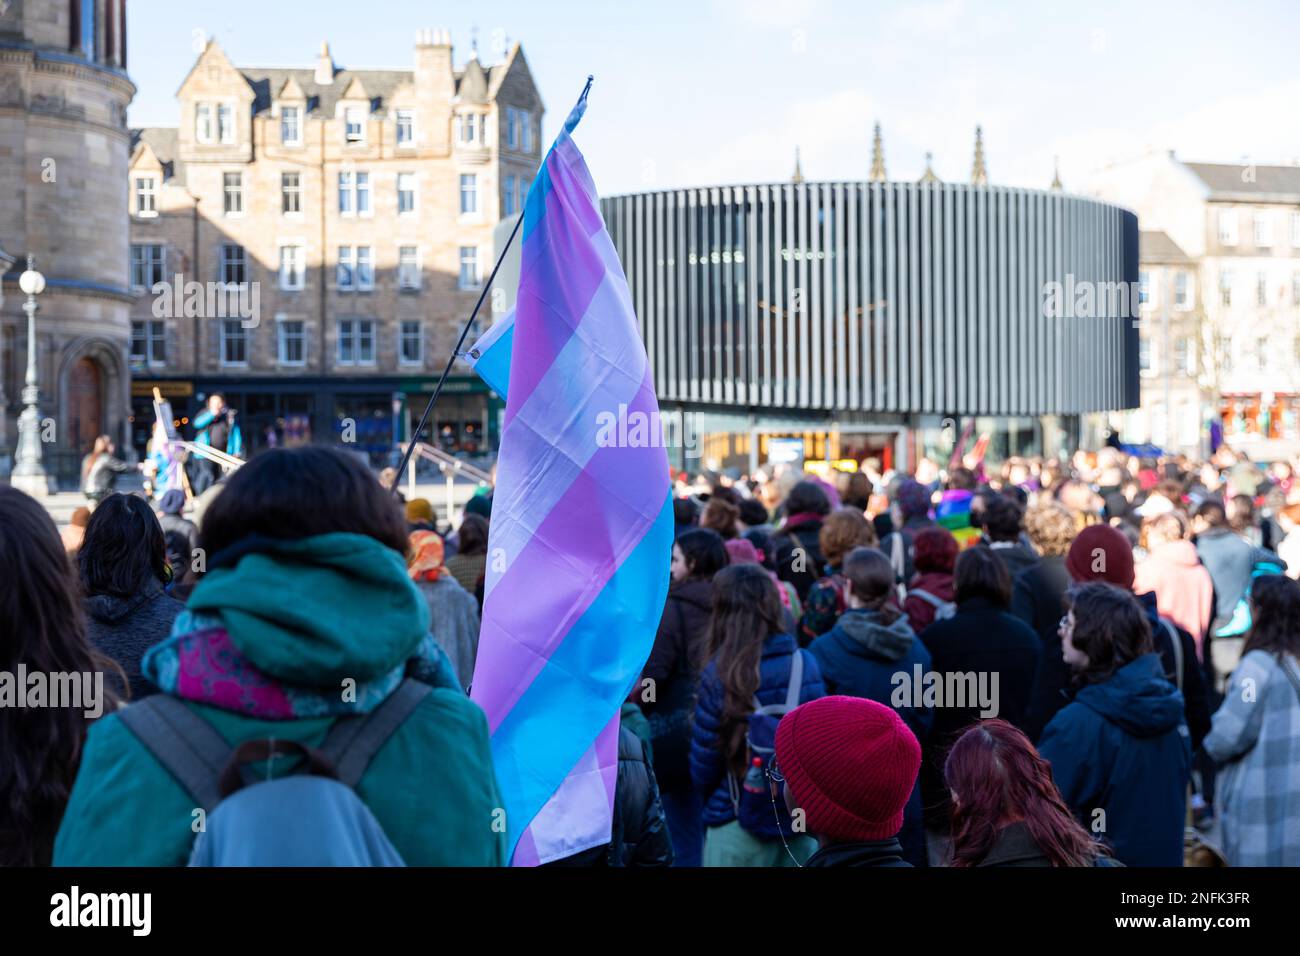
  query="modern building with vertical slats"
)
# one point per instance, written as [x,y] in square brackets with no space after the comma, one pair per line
[873,318]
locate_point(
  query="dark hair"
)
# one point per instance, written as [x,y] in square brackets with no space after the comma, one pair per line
[1110,627]
[871,578]
[980,573]
[1242,518]
[753,512]
[999,779]
[292,493]
[962,479]
[1016,494]
[704,552]
[123,551]
[1275,616]
[721,516]
[805,497]
[684,511]
[45,630]
[1002,518]
[746,611]
[473,535]
[1212,513]
[858,490]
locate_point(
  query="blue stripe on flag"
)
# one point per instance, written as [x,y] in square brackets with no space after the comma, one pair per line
[550,727]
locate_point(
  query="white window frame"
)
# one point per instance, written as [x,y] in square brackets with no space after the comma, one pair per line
[282,337]
[238,193]
[155,343]
[414,191]
[1184,291]
[402,277]
[1295,230]
[409,116]
[349,113]
[354,337]
[226,261]
[152,257]
[350,263]
[365,268]
[403,327]
[229,331]
[469,180]
[286,191]
[205,123]
[462,260]
[287,283]
[145,185]
[1146,288]
[355,184]
[1228,227]
[225,133]
[297,124]
[1263,230]
[1226,281]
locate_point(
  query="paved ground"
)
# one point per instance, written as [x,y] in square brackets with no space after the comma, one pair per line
[61,505]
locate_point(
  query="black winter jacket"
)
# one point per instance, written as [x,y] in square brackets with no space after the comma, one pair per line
[799,556]
[640,834]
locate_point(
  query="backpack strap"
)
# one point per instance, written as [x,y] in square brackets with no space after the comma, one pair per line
[931,599]
[796,680]
[352,742]
[185,744]
[1178,650]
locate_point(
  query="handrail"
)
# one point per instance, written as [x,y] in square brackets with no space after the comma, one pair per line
[445,461]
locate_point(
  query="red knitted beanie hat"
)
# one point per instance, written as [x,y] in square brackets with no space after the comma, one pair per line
[850,764]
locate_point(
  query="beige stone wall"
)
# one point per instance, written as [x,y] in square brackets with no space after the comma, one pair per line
[63,162]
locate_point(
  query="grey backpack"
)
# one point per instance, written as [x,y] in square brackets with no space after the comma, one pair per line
[942,609]
[310,817]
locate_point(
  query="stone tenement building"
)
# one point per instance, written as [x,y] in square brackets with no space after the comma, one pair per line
[1220,273]
[339,226]
[63,157]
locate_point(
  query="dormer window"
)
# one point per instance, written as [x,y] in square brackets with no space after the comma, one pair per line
[290,126]
[354,125]
[146,196]
[214,122]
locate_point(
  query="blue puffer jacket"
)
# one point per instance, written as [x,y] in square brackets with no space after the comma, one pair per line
[1122,747]
[708,766]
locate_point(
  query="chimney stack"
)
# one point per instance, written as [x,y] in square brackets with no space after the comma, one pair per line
[324,65]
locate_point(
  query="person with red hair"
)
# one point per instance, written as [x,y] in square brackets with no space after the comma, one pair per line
[934,552]
[1006,811]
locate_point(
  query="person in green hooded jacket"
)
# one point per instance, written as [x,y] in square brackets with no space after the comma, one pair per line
[305,614]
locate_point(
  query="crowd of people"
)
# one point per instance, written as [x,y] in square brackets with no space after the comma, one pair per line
[1090,662]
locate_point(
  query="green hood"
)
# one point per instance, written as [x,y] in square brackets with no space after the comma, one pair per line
[318,610]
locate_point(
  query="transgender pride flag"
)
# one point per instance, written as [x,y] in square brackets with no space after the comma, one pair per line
[582,528]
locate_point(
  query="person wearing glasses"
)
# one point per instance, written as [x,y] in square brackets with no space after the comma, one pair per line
[847,766]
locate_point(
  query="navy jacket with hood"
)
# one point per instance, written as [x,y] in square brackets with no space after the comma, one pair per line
[708,766]
[859,657]
[1122,747]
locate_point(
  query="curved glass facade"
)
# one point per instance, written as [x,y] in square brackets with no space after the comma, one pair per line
[896,298]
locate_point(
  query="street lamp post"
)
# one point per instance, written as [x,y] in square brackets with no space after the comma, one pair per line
[29,474]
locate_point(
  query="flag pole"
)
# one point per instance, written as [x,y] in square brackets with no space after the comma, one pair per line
[460,342]
[455,353]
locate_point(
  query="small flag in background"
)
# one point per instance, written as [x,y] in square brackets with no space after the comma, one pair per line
[582,526]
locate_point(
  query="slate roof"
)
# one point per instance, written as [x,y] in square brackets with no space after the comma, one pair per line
[162,140]
[1225,180]
[1155,246]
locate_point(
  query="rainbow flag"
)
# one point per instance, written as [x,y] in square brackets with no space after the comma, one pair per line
[582,520]
[953,513]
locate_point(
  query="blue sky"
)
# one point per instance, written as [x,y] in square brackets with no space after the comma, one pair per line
[720,91]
